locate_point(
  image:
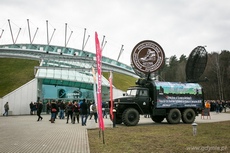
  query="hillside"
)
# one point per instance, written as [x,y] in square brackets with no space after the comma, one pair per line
[16,72]
[121,81]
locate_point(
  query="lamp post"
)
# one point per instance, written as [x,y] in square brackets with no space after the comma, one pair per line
[194,128]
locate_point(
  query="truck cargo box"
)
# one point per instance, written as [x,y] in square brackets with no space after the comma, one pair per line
[178,95]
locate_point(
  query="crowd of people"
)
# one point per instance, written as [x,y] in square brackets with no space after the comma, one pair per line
[217,105]
[72,111]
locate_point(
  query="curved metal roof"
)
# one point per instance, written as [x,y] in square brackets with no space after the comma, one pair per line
[40,51]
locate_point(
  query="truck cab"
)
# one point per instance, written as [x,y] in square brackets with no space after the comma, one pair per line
[141,98]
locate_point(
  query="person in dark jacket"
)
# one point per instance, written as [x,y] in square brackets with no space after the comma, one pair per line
[6,107]
[69,111]
[31,108]
[53,111]
[62,108]
[34,108]
[48,108]
[84,112]
[39,110]
[75,112]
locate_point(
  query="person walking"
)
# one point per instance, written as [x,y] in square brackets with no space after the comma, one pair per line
[217,107]
[53,111]
[94,112]
[69,111]
[31,108]
[75,113]
[90,110]
[84,112]
[62,108]
[56,115]
[34,108]
[39,110]
[48,107]
[6,107]
[104,109]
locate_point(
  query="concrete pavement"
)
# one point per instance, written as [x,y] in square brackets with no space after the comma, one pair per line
[23,134]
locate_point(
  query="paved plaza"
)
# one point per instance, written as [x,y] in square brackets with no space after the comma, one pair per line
[23,134]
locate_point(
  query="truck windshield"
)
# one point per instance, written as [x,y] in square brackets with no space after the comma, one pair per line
[132,92]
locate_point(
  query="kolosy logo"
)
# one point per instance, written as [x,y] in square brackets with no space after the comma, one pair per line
[147,56]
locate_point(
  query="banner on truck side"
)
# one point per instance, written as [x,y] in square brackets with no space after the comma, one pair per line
[174,94]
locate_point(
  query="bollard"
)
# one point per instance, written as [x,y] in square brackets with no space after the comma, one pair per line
[194,128]
[114,118]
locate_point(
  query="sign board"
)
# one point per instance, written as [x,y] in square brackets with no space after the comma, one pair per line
[175,94]
[147,56]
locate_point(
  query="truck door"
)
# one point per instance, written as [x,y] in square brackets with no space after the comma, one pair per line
[143,100]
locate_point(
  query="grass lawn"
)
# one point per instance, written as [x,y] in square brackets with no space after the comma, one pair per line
[211,137]
[15,73]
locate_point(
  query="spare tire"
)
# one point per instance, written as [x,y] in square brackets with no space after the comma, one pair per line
[173,116]
[130,117]
[188,116]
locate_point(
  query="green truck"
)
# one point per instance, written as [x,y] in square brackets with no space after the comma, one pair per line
[172,101]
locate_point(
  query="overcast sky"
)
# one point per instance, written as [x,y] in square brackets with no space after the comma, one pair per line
[177,25]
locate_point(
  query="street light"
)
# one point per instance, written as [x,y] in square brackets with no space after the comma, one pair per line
[194,128]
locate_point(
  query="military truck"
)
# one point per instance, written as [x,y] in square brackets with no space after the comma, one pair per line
[173,101]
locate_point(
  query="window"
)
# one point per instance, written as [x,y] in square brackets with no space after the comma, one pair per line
[143,93]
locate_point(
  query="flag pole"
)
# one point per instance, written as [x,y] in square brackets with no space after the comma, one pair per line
[99,82]
[95,95]
[111,94]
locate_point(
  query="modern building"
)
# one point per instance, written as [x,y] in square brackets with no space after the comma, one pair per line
[63,74]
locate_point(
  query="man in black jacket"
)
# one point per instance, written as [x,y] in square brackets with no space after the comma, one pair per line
[84,112]
[62,108]
[39,110]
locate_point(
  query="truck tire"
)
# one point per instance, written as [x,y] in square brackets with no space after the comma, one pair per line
[157,119]
[173,116]
[188,116]
[130,117]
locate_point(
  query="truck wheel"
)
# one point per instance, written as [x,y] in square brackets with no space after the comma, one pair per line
[188,116]
[130,117]
[173,116]
[157,119]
